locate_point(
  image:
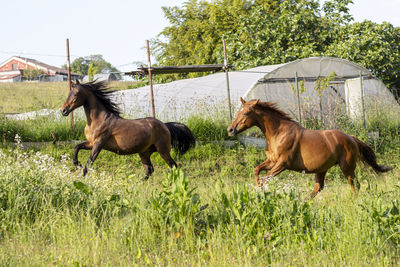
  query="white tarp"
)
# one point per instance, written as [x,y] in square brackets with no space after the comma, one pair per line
[207,96]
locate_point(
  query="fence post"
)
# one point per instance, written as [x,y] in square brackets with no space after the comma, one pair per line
[69,81]
[150,79]
[298,95]
[228,91]
[362,99]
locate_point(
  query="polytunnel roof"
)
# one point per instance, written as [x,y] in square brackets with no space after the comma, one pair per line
[182,98]
[317,67]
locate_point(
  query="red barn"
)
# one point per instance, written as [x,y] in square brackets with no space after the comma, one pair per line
[12,70]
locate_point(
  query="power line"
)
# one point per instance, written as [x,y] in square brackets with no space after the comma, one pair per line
[34,54]
[123,65]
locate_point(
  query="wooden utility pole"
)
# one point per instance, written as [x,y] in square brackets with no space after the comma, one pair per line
[298,96]
[69,80]
[150,79]
[362,99]
[228,91]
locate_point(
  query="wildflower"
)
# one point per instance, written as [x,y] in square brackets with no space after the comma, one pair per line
[18,140]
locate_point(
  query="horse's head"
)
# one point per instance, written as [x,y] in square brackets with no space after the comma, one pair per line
[245,118]
[74,100]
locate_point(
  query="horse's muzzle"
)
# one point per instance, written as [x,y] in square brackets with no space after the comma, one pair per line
[65,111]
[232,131]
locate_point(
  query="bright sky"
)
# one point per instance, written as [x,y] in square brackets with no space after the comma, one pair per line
[116,29]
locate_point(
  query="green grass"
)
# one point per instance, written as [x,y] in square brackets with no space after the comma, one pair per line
[30,96]
[41,129]
[207,213]
[204,129]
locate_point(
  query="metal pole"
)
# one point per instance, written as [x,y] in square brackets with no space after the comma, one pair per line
[298,95]
[150,79]
[362,99]
[228,91]
[69,81]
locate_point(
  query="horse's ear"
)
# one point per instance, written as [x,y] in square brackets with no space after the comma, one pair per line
[254,105]
[242,100]
[77,82]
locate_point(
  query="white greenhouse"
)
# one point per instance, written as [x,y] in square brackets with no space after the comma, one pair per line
[207,96]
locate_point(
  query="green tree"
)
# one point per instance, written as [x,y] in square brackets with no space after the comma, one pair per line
[32,74]
[374,46]
[262,32]
[257,32]
[194,36]
[99,65]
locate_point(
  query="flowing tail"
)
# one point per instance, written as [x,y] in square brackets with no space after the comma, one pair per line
[182,139]
[369,157]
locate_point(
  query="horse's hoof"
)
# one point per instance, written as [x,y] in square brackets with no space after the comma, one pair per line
[260,182]
[78,166]
[145,178]
[265,179]
[84,172]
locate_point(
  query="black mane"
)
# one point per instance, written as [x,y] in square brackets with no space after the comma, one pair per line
[103,94]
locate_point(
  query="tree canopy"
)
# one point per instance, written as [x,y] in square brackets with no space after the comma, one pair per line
[263,32]
[95,63]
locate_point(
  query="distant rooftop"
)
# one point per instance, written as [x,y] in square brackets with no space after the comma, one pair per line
[41,64]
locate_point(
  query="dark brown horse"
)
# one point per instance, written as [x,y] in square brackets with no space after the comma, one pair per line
[106,129]
[292,147]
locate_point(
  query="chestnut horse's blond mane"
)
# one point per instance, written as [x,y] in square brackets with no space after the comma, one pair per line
[271,107]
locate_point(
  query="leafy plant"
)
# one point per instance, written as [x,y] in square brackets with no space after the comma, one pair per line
[177,206]
[320,86]
[32,74]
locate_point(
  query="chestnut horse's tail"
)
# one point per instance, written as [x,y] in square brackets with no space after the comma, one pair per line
[182,139]
[369,157]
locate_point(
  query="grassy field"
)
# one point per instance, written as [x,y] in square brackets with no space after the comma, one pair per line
[30,96]
[206,213]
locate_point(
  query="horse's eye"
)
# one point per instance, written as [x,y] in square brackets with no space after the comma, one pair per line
[246,113]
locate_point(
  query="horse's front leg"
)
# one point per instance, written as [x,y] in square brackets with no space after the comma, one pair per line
[84,145]
[266,165]
[93,155]
[278,167]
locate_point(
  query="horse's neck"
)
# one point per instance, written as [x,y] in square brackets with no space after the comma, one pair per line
[269,124]
[93,110]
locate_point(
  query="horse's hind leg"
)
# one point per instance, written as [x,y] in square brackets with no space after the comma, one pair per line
[164,150]
[319,183]
[351,179]
[348,165]
[168,159]
[145,158]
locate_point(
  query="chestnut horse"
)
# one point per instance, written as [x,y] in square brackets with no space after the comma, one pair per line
[292,147]
[106,129]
